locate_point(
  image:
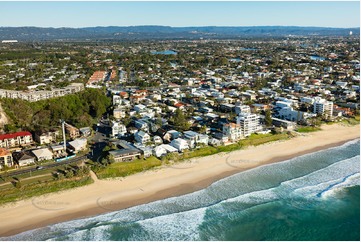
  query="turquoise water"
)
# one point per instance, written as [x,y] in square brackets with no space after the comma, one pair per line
[311,197]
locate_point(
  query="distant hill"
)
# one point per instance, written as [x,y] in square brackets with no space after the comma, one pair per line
[165,32]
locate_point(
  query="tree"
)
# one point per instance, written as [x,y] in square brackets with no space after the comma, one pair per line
[203,129]
[268,118]
[180,121]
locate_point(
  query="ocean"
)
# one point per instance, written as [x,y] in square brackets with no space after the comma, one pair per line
[310,197]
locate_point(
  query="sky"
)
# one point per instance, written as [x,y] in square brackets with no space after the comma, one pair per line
[180,14]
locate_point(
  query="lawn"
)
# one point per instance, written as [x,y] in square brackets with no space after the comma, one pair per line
[121,169]
[307,129]
[32,189]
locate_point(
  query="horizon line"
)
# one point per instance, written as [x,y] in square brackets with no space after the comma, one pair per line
[155,25]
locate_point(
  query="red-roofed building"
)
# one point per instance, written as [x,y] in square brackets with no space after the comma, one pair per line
[22,138]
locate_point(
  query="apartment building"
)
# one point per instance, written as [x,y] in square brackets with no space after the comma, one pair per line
[17,139]
[323,107]
[233,131]
[249,123]
[33,96]
[5,158]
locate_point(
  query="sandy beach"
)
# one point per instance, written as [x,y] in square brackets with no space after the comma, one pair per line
[110,195]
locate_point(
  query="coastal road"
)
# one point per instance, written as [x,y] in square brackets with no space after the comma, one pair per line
[46,166]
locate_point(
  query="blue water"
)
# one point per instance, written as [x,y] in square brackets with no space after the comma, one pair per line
[165,52]
[311,197]
[317,58]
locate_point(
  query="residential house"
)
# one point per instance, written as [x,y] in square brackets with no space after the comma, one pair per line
[288,113]
[203,139]
[23,158]
[191,137]
[122,155]
[145,150]
[233,131]
[119,113]
[78,145]
[17,139]
[180,144]
[163,149]
[42,154]
[46,137]
[58,151]
[118,129]
[85,131]
[288,125]
[142,137]
[223,138]
[5,158]
[117,100]
[160,151]
[72,131]
[214,142]
[171,135]
[141,124]
[194,138]
[157,139]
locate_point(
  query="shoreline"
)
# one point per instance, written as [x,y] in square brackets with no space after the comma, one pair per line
[104,196]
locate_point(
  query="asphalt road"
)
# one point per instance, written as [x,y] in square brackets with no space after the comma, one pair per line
[49,165]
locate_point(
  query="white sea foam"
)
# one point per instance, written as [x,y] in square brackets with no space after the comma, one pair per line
[178,218]
[176,226]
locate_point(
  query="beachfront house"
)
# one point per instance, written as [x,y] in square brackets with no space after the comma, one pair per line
[163,149]
[145,150]
[122,155]
[180,144]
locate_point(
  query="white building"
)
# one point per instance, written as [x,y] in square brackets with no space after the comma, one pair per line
[117,100]
[163,149]
[78,144]
[249,123]
[323,107]
[119,113]
[242,109]
[288,113]
[43,154]
[232,131]
[118,129]
[180,144]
